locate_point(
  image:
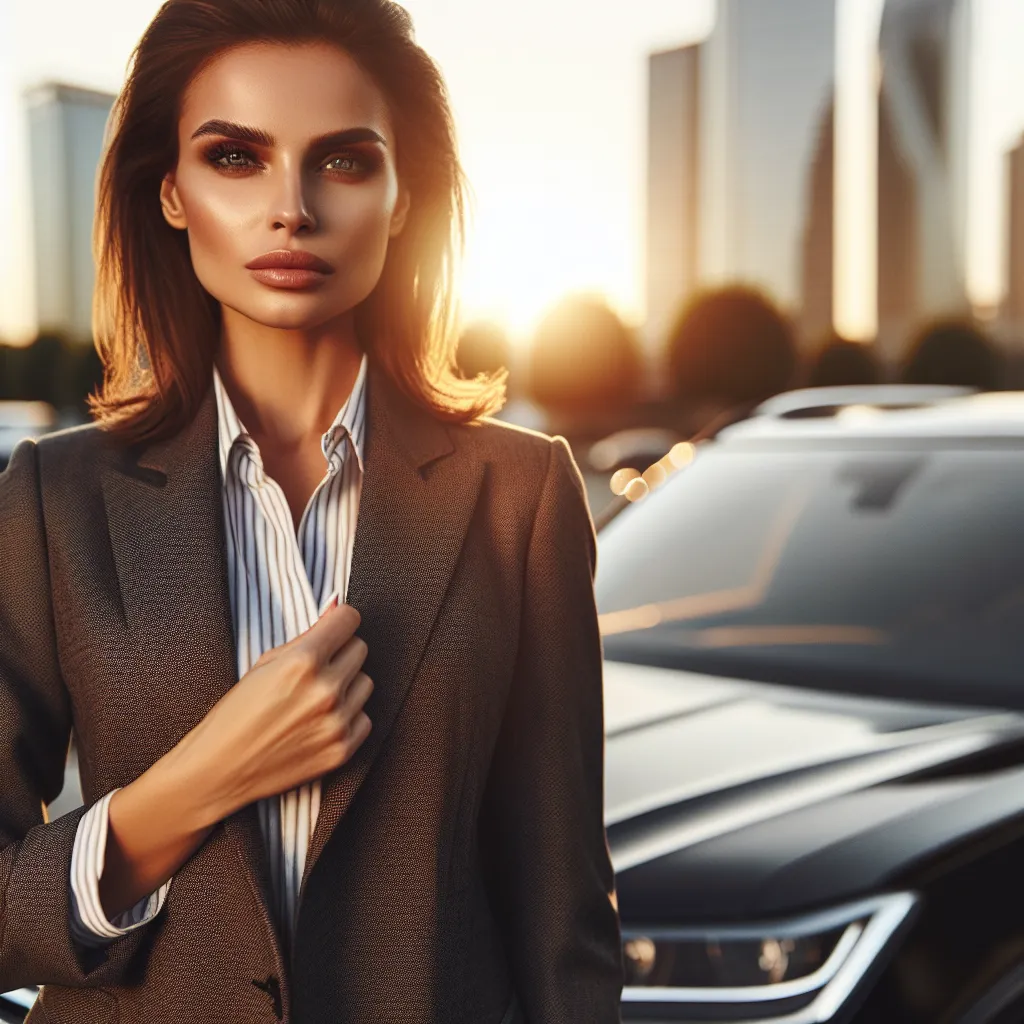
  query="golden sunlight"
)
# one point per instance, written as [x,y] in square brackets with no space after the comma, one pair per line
[529,246]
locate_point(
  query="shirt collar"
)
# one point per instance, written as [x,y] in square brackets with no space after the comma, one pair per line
[350,420]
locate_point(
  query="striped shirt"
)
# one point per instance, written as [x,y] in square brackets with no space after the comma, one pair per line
[279,582]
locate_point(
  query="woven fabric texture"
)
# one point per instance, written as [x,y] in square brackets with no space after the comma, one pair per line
[459,870]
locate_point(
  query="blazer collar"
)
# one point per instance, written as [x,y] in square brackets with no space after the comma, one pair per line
[167,534]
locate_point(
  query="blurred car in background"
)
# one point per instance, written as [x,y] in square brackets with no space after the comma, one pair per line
[19,420]
[814,709]
[14,1006]
[636,446]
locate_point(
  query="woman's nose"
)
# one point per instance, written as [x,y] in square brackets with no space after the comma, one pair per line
[291,208]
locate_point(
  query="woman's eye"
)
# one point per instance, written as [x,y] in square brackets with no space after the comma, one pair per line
[230,158]
[345,164]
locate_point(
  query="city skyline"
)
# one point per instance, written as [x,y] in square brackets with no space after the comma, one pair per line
[752,97]
[550,105]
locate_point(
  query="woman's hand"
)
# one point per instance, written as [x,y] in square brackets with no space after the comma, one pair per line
[294,716]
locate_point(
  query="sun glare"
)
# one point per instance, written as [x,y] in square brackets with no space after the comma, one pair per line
[530,246]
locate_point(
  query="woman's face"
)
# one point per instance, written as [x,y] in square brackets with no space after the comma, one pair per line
[285,148]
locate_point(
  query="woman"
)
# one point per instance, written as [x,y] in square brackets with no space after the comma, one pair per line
[324,628]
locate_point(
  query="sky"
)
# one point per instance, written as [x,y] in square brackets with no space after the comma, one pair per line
[550,102]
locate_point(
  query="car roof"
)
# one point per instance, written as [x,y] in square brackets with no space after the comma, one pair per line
[886,410]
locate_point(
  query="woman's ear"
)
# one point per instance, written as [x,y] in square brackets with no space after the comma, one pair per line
[401,212]
[170,203]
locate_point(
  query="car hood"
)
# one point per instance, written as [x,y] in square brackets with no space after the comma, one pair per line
[726,798]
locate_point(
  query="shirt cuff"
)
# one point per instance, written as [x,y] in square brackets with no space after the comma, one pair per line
[89,924]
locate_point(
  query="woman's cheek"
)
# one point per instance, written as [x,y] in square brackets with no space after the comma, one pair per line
[362,240]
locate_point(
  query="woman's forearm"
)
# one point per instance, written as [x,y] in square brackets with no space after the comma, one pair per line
[155,824]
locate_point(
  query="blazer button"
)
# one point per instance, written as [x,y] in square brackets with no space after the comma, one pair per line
[273,989]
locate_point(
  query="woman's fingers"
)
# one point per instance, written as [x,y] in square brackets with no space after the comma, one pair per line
[353,696]
[346,668]
[330,633]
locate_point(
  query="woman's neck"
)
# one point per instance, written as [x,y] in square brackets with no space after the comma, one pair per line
[287,386]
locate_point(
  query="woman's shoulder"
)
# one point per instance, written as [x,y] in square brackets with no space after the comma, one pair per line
[69,445]
[85,442]
[58,469]
[523,461]
[71,460]
[508,444]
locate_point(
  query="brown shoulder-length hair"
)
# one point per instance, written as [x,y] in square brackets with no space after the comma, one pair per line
[156,328]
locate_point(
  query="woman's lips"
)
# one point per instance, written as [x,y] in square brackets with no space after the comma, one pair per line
[282,277]
[289,268]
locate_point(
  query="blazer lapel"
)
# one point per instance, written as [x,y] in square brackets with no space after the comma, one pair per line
[417,500]
[166,522]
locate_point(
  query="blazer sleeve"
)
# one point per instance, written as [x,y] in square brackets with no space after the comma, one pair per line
[36,944]
[542,817]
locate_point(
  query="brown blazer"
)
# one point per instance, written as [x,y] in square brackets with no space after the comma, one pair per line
[459,871]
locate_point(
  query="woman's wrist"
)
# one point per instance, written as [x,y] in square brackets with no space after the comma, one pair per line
[154,825]
[190,785]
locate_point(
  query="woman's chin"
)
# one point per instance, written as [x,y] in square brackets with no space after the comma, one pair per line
[290,311]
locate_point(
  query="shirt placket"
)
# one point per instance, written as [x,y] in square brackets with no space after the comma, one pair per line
[297,808]
[335,454]
[273,506]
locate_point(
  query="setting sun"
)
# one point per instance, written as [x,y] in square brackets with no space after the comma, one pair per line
[530,243]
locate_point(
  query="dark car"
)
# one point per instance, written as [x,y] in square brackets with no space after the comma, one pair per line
[814,684]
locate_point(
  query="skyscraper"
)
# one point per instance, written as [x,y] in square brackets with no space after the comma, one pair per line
[922,165]
[1013,313]
[672,184]
[817,270]
[66,126]
[735,131]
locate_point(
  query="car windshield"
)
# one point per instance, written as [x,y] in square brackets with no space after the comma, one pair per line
[890,569]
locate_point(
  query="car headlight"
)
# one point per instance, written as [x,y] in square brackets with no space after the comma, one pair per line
[803,968]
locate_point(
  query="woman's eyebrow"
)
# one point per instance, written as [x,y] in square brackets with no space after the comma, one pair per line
[258,137]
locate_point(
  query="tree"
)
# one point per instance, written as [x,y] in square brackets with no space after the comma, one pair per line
[957,353]
[584,361]
[731,346]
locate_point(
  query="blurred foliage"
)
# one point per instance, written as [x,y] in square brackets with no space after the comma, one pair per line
[584,361]
[51,369]
[483,348]
[839,362]
[731,346]
[955,352]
